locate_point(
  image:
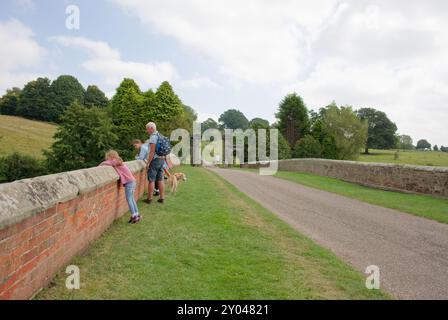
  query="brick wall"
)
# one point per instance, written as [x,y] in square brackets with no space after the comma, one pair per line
[403,178]
[46,221]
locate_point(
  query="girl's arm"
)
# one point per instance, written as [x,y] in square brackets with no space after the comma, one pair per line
[110,163]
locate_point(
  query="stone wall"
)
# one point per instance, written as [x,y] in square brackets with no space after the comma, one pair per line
[46,221]
[404,178]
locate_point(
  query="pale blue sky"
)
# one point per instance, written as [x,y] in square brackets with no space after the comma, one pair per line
[245,55]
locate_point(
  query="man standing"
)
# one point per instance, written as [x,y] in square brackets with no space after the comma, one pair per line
[154,165]
[143,149]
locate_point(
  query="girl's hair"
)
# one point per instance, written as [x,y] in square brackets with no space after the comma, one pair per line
[112,154]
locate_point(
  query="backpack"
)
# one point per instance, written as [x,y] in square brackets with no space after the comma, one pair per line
[163,146]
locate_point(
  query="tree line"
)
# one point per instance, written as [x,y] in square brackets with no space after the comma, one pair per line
[46,100]
[89,123]
[331,132]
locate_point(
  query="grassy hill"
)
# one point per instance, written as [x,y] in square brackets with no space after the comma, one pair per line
[422,158]
[25,136]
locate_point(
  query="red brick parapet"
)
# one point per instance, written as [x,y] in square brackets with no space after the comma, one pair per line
[46,221]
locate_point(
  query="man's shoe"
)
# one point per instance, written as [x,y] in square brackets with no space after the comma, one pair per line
[130,220]
[148,201]
[160,200]
[156,193]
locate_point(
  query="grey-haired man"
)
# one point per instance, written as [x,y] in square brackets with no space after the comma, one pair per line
[154,165]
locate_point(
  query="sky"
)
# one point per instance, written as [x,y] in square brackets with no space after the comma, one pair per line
[247,55]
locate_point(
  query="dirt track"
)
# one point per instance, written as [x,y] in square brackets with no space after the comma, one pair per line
[411,252]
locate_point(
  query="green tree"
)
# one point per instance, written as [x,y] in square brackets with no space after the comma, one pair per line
[209,124]
[435,148]
[233,119]
[36,100]
[405,142]
[9,103]
[81,140]
[66,90]
[284,150]
[94,97]
[149,107]
[19,166]
[130,110]
[182,121]
[307,147]
[381,131]
[259,123]
[423,144]
[293,119]
[167,107]
[321,134]
[190,116]
[348,131]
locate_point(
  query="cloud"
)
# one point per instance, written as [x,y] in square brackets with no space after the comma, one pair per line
[199,82]
[107,63]
[18,49]
[19,54]
[97,49]
[254,41]
[389,55]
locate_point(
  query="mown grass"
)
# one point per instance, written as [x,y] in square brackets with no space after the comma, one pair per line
[421,158]
[209,241]
[25,136]
[420,205]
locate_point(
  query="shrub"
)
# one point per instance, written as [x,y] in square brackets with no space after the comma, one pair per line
[18,166]
[307,147]
[284,151]
[81,140]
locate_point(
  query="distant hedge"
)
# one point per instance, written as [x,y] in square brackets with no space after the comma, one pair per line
[19,166]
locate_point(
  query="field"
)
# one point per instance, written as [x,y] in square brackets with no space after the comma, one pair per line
[25,136]
[209,241]
[422,158]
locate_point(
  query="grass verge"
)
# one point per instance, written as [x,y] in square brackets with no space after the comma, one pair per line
[420,205]
[413,157]
[209,241]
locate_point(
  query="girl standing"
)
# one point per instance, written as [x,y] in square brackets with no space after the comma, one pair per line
[127,180]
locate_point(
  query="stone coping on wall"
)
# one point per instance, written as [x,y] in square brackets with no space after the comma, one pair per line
[24,198]
[358,163]
[374,164]
[387,176]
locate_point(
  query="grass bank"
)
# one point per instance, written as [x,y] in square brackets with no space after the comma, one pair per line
[420,205]
[25,136]
[421,158]
[209,242]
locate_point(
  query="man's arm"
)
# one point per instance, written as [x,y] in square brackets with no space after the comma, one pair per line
[152,151]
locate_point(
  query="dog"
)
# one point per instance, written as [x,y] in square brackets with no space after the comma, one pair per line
[173,181]
[181,176]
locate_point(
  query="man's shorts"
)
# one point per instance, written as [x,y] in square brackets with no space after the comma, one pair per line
[155,172]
